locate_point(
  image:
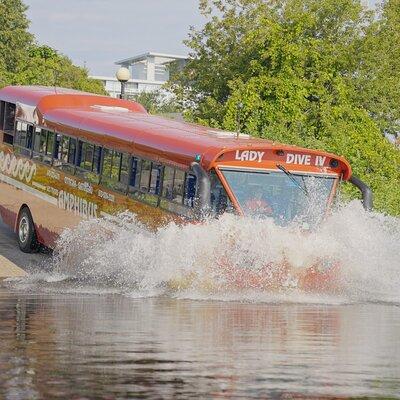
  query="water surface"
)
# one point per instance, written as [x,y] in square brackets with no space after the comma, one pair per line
[110,346]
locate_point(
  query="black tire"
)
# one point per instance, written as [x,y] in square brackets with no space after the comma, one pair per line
[26,232]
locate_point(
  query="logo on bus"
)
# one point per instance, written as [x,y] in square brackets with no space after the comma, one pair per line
[18,168]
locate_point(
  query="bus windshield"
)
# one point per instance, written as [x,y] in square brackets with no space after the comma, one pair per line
[284,196]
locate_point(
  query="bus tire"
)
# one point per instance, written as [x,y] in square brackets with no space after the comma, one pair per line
[26,234]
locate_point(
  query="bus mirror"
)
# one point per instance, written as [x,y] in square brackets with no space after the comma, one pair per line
[367,195]
[203,196]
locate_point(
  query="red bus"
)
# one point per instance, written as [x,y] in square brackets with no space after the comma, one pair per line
[67,155]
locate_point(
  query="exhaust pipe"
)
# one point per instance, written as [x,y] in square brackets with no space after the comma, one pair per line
[203,197]
[367,195]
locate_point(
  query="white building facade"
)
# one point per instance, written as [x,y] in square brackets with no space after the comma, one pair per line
[149,72]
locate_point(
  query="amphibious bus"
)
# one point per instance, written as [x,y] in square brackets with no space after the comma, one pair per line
[67,155]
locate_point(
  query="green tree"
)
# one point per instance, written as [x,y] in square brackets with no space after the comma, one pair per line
[14,38]
[24,62]
[45,66]
[288,71]
[158,102]
[378,77]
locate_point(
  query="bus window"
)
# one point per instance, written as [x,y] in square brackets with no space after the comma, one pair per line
[61,150]
[39,144]
[86,158]
[220,202]
[29,137]
[179,182]
[97,159]
[50,146]
[145,176]
[124,172]
[85,167]
[20,134]
[135,172]
[113,171]
[72,151]
[168,182]
[107,162]
[190,190]
[116,165]
[155,178]
[2,107]
[9,121]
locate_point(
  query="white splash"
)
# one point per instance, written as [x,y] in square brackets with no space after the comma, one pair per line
[185,261]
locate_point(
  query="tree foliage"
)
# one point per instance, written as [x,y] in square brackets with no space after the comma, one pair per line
[24,62]
[158,102]
[301,72]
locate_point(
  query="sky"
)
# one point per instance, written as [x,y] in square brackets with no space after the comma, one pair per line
[96,33]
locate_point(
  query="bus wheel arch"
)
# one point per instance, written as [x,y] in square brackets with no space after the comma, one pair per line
[26,232]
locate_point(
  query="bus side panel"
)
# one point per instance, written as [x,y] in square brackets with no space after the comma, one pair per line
[58,201]
[49,220]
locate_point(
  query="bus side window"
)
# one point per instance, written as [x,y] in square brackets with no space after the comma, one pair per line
[39,145]
[49,148]
[2,109]
[86,156]
[145,176]
[29,137]
[107,163]
[20,136]
[115,171]
[72,152]
[155,178]
[134,172]
[61,150]
[168,182]
[179,182]
[190,190]
[124,171]
[116,165]
[86,167]
[9,122]
[97,159]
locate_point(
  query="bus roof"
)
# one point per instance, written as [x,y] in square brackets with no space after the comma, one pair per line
[126,126]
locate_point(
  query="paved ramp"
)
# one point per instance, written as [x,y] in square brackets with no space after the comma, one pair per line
[13,262]
[9,270]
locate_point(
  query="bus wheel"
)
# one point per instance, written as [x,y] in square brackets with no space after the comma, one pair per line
[26,232]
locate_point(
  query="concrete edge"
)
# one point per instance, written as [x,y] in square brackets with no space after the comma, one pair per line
[9,270]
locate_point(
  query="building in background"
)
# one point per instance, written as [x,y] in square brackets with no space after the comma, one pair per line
[149,72]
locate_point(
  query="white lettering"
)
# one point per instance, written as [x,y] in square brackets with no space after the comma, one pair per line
[106,196]
[85,187]
[77,205]
[17,167]
[53,174]
[299,159]
[70,182]
[249,155]
[320,161]
[289,158]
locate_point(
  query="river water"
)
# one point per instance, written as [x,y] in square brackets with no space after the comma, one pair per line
[98,321]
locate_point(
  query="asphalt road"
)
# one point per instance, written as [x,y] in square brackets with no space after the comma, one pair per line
[10,250]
